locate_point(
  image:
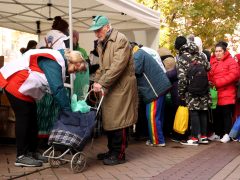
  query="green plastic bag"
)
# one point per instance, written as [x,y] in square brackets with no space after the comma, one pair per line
[214,96]
[79,105]
[81,84]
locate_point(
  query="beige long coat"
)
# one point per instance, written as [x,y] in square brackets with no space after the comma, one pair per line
[116,74]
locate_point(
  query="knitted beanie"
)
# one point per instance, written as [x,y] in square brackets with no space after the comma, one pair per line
[179,42]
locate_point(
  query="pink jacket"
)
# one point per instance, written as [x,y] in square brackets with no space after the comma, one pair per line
[224,74]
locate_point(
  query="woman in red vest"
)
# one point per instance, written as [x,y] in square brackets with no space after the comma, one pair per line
[26,80]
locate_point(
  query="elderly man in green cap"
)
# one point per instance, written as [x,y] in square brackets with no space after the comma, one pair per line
[116,77]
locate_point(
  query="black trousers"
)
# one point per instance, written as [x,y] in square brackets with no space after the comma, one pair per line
[198,122]
[118,142]
[142,123]
[26,124]
[222,120]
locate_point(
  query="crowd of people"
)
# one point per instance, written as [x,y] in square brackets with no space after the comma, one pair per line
[141,86]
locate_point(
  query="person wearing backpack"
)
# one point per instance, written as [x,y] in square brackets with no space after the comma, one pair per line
[193,88]
[224,75]
[57,38]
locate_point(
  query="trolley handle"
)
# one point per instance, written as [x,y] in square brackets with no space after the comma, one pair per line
[100,102]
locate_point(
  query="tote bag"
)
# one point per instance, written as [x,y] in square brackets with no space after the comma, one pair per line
[214,96]
[181,120]
[235,131]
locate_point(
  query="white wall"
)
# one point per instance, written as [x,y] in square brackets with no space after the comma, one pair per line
[86,41]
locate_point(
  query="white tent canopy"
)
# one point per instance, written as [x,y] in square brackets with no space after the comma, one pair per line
[138,22]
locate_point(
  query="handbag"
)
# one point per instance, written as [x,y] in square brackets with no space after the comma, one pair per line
[181,120]
[214,97]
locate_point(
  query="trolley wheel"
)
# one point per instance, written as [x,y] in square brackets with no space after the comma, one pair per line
[55,163]
[78,162]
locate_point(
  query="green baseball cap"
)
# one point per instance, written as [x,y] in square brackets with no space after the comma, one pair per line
[98,22]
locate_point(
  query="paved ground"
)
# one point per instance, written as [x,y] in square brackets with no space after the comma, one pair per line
[215,161]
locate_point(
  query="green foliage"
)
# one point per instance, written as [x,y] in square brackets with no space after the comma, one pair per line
[208,19]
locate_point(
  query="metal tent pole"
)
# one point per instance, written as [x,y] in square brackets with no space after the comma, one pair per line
[71,40]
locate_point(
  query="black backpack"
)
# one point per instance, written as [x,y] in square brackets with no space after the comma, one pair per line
[197,78]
